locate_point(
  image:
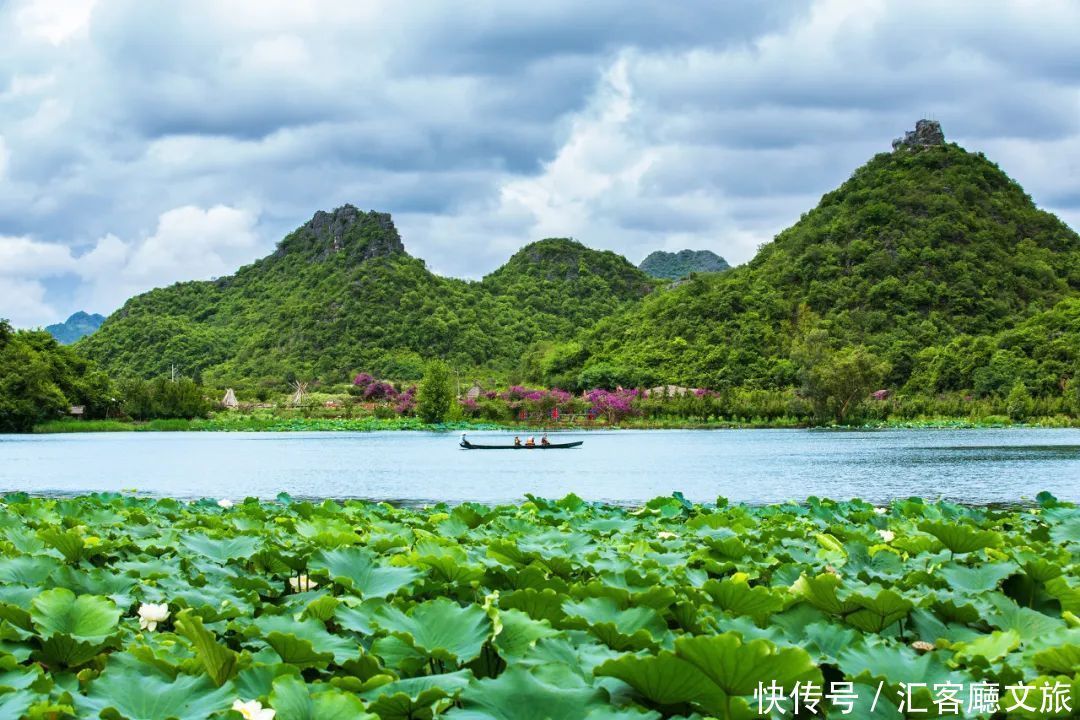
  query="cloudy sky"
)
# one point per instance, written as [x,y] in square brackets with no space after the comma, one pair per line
[142,143]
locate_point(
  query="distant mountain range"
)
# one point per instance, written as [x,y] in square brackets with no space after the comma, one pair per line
[929,260]
[677,265]
[75,327]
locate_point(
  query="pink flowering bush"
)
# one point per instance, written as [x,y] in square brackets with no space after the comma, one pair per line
[378,390]
[615,405]
[406,402]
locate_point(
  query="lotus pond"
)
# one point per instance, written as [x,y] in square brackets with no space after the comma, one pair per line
[117,606]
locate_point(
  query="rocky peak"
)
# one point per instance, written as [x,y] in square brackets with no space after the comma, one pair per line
[927,133]
[361,235]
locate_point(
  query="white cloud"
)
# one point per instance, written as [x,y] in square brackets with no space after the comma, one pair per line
[5,158]
[28,258]
[23,302]
[55,21]
[189,243]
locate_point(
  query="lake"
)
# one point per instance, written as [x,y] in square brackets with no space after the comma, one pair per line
[626,467]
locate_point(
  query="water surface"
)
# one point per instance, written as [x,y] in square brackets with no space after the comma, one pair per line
[756,466]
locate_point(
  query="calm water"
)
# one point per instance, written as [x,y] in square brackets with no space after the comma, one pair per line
[976,466]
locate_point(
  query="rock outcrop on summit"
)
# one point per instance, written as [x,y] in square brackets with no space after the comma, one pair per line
[927,133]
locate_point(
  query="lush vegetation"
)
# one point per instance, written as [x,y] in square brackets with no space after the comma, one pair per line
[145,609]
[340,293]
[79,325]
[40,380]
[162,398]
[677,265]
[920,255]
[926,286]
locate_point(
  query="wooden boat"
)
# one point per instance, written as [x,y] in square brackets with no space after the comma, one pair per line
[550,446]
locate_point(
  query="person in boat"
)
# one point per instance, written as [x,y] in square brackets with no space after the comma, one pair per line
[517,441]
[463,440]
[531,442]
[544,440]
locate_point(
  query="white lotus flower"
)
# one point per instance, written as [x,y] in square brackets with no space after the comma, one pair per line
[150,615]
[665,535]
[253,710]
[881,510]
[887,535]
[302,583]
[225,503]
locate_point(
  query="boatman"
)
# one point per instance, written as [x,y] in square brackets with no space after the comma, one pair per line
[544,440]
[517,441]
[463,440]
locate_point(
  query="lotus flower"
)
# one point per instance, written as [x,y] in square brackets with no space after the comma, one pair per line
[665,535]
[881,510]
[150,615]
[302,583]
[922,646]
[253,710]
[225,503]
[887,535]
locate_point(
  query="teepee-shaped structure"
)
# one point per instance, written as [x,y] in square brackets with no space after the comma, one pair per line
[230,400]
[300,390]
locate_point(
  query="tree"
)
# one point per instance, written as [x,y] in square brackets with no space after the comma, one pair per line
[40,379]
[436,393]
[1018,402]
[836,382]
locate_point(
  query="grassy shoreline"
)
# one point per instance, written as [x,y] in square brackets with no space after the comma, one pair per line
[226,423]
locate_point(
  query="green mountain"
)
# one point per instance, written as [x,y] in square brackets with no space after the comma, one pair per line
[340,293]
[677,265]
[77,326]
[920,247]
[564,286]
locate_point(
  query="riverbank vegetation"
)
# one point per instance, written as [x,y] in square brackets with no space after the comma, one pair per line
[369,403]
[129,607]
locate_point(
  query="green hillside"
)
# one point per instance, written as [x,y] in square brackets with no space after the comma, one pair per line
[920,246]
[340,293]
[564,286]
[677,265]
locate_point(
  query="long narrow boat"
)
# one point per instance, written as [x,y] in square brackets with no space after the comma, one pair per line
[551,446]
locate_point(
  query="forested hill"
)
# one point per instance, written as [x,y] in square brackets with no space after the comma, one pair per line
[340,293]
[921,246]
[677,265]
[566,286]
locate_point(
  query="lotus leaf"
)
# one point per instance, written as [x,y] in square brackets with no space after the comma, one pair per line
[304,643]
[73,629]
[548,609]
[960,538]
[294,700]
[440,629]
[357,569]
[221,550]
[219,661]
[517,695]
[139,696]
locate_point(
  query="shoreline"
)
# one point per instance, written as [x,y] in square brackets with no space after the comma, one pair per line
[371,424]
